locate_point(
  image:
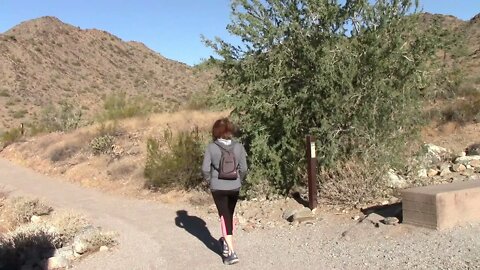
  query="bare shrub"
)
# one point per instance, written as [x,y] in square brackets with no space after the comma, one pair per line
[463,111]
[122,169]
[99,238]
[64,152]
[352,182]
[66,225]
[19,210]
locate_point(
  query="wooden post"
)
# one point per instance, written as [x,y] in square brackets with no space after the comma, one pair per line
[312,172]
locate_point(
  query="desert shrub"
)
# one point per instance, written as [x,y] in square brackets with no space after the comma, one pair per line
[111,128]
[66,225]
[118,106]
[4,93]
[10,136]
[19,114]
[19,210]
[99,238]
[349,73]
[462,111]
[102,144]
[175,164]
[64,151]
[63,117]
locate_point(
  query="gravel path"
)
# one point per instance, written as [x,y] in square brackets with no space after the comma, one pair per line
[157,236]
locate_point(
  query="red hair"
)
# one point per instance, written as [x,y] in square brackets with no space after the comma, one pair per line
[223,129]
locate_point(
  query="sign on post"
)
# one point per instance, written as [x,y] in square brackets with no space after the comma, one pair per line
[312,172]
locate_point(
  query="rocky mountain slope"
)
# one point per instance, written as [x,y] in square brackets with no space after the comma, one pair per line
[45,61]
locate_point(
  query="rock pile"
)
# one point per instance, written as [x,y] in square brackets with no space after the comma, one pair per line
[441,165]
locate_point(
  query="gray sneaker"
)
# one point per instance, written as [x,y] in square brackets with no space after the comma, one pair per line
[225,250]
[231,259]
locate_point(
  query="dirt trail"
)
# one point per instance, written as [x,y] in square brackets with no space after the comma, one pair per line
[149,235]
[153,236]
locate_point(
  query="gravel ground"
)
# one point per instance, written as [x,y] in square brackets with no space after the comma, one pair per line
[158,236]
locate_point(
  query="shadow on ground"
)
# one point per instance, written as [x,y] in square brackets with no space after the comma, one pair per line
[391,210]
[198,228]
[26,250]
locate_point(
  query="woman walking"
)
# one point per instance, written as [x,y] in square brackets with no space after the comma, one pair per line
[225,167]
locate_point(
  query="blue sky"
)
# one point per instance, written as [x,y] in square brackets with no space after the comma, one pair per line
[170,27]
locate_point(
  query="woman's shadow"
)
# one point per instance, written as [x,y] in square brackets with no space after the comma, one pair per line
[198,228]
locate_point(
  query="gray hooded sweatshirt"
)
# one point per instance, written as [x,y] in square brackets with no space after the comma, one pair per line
[211,160]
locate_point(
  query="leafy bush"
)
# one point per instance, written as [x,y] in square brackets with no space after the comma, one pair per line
[349,73]
[118,106]
[177,163]
[10,136]
[63,117]
[102,144]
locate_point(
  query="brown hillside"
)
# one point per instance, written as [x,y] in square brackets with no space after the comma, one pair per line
[466,52]
[45,61]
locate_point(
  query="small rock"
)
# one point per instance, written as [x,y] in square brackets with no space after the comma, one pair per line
[468,172]
[374,218]
[391,221]
[80,242]
[103,248]
[462,154]
[395,180]
[303,215]
[432,172]
[357,217]
[393,200]
[35,219]
[458,167]
[475,163]
[444,167]
[56,263]
[65,252]
[288,214]
[445,171]
[422,173]
[477,170]
[434,153]
[80,246]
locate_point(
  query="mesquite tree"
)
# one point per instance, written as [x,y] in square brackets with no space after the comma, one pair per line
[349,72]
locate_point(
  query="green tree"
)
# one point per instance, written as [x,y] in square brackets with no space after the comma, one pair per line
[349,73]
